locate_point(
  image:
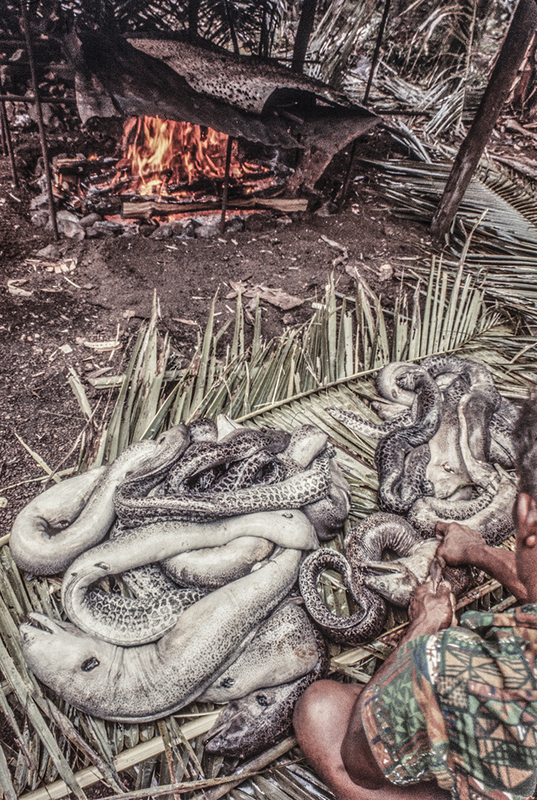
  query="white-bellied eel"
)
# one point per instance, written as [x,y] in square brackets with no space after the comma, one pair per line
[130,622]
[211,567]
[283,649]
[64,521]
[136,684]
[255,721]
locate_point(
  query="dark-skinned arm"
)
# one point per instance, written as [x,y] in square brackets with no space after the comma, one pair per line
[430,610]
[461,546]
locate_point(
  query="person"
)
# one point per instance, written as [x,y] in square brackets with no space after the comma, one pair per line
[453,711]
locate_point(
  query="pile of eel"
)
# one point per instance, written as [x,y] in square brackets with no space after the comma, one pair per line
[444,453]
[205,529]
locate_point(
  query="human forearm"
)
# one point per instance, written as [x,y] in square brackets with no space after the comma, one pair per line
[430,610]
[461,545]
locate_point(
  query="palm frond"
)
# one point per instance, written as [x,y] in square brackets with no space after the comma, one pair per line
[495,229]
[332,360]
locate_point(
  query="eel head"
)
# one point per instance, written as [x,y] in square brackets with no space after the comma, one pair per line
[396,580]
[244,726]
[63,657]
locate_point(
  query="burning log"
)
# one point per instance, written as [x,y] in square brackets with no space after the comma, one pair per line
[150,209]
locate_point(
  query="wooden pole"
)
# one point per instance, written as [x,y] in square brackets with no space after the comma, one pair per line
[8,145]
[4,132]
[225,191]
[376,53]
[516,42]
[303,33]
[40,123]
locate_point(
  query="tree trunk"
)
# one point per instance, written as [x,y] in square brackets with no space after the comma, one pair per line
[518,37]
[305,27]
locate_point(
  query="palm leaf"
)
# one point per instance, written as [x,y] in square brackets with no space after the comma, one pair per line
[332,360]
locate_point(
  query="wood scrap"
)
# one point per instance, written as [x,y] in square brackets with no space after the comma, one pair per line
[276,297]
[149,209]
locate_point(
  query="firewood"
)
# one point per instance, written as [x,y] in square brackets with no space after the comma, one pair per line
[155,209]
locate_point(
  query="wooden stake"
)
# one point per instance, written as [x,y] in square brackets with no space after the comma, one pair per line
[380,36]
[225,191]
[8,145]
[516,42]
[40,123]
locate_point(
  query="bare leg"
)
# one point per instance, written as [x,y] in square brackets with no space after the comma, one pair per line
[320,720]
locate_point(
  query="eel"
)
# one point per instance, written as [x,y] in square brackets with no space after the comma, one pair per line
[361,626]
[491,513]
[329,513]
[254,722]
[202,455]
[131,622]
[212,567]
[400,484]
[139,684]
[67,519]
[360,568]
[284,649]
[296,491]
[397,407]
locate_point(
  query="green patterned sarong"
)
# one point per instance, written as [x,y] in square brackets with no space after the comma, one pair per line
[460,708]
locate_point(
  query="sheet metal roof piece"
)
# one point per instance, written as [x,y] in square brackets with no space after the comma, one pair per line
[238,96]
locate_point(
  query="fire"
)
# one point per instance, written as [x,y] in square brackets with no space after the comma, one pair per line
[179,165]
[161,154]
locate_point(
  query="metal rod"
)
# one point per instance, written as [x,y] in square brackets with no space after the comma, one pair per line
[40,123]
[225,191]
[380,36]
[8,145]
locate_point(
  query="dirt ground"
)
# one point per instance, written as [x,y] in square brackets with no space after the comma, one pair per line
[46,317]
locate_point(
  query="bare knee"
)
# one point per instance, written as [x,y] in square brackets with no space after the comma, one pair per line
[321,702]
[321,717]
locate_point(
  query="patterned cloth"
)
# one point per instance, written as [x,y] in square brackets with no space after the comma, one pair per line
[460,708]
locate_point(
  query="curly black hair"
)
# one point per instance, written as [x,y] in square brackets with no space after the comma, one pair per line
[525,444]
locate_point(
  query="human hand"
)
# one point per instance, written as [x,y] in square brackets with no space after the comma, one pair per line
[457,543]
[431,607]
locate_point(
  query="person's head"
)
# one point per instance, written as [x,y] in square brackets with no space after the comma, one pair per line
[525,443]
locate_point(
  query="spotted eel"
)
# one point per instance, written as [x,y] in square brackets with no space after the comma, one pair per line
[137,684]
[255,721]
[141,622]
[359,568]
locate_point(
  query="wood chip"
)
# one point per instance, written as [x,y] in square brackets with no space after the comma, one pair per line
[185,321]
[13,287]
[276,297]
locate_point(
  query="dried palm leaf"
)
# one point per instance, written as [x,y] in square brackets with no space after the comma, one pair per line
[330,361]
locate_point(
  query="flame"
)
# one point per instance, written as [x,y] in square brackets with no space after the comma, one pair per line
[161,152]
